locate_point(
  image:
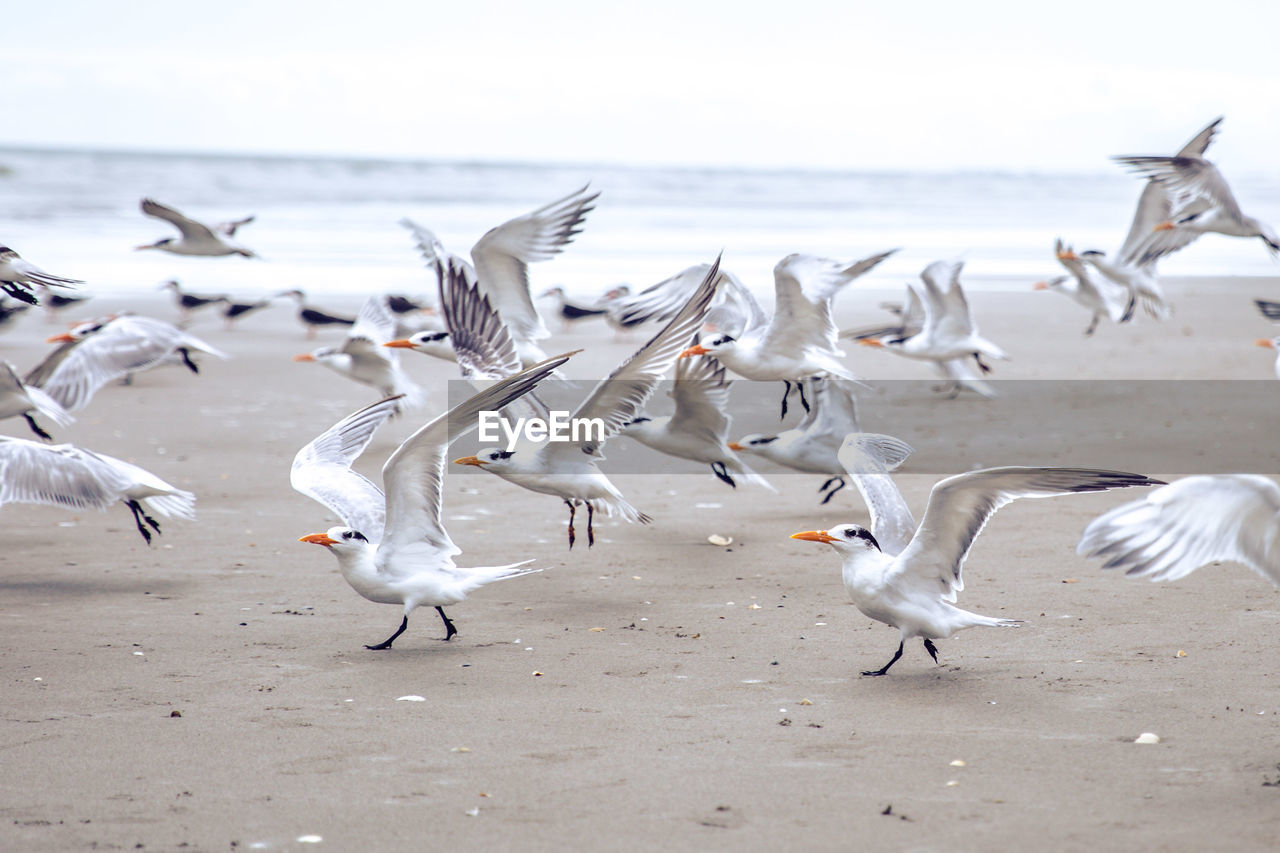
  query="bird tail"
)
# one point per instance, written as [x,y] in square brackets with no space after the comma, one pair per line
[488,574]
[181,504]
[739,470]
[617,505]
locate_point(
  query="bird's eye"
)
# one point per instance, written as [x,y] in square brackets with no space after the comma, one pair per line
[723,339]
[503,454]
[346,535]
[850,533]
[765,439]
[355,534]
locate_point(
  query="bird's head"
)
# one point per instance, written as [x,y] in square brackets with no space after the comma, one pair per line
[159,244]
[494,458]
[753,443]
[339,540]
[428,341]
[710,345]
[1050,284]
[845,538]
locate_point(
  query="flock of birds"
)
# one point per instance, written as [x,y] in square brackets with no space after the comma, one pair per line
[392,546]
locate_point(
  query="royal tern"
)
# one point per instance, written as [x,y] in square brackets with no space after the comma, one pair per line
[393,548]
[915,590]
[812,445]
[699,427]
[362,357]
[658,303]
[19,278]
[567,468]
[189,303]
[97,352]
[313,318]
[799,341]
[1202,203]
[1141,281]
[18,398]
[502,256]
[72,477]
[1192,522]
[949,331]
[1097,294]
[195,238]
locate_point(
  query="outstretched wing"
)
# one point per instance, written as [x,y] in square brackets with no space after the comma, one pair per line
[804,286]
[189,228]
[58,475]
[478,335]
[869,457]
[322,469]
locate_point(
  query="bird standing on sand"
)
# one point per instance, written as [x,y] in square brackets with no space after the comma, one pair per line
[915,590]
[392,547]
[74,478]
[195,238]
[189,303]
[313,318]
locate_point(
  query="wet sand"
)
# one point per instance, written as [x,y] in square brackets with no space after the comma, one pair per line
[212,692]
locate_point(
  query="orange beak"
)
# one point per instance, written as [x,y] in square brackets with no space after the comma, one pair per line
[871,342]
[1068,255]
[306,356]
[1040,285]
[64,338]
[814,536]
[469,460]
[1164,226]
[734,446]
[1264,342]
[403,343]
[140,248]
[697,349]
[318,539]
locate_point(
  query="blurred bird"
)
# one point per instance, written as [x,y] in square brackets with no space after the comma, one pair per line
[1098,295]
[18,398]
[362,357]
[189,303]
[195,238]
[313,318]
[19,278]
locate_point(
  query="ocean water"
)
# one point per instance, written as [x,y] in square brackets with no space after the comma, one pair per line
[329,225]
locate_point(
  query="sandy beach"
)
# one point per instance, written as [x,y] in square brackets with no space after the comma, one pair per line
[212,692]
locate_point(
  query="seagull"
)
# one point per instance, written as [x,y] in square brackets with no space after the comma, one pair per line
[1190,523]
[18,398]
[313,318]
[949,331]
[19,278]
[799,341]
[915,590]
[97,352]
[1141,281]
[188,303]
[812,445]
[567,468]
[72,477]
[1099,295]
[699,427]
[960,373]
[363,358]
[392,548]
[1199,201]
[195,238]
[502,257]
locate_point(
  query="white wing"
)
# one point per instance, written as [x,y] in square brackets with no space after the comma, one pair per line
[1175,529]
[869,457]
[322,470]
[804,286]
[476,332]
[59,475]
[620,397]
[433,252]
[834,409]
[503,254]
[414,474]
[701,395]
[960,506]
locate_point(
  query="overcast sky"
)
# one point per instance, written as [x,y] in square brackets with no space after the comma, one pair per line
[905,85]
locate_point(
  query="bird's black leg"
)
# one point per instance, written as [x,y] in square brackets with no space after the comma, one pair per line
[785,394]
[931,649]
[572,535]
[803,400]
[882,670]
[840,484]
[186,359]
[1093,326]
[591,532]
[450,629]
[986,368]
[139,517]
[720,471]
[18,293]
[386,644]
[35,427]
[828,483]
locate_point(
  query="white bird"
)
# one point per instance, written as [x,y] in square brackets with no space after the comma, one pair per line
[195,238]
[502,257]
[68,476]
[915,590]
[812,445]
[97,352]
[19,278]
[949,331]
[1189,523]
[659,302]
[18,398]
[699,427]
[393,548]
[567,468]
[1097,294]
[1141,281]
[799,341]
[1202,203]
[362,356]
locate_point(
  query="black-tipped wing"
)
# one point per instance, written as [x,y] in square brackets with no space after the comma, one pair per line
[478,335]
